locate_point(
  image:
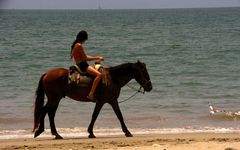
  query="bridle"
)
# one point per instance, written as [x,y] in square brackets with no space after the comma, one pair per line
[148,81]
[139,90]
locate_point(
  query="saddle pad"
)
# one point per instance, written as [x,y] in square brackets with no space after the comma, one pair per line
[77,77]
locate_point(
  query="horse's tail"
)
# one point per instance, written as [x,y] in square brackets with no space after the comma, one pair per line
[39,102]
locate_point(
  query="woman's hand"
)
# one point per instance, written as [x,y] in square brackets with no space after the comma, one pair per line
[101,58]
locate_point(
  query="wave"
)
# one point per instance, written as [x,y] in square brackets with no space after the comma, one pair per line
[103,132]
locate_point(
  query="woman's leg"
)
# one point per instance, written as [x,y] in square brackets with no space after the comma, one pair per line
[98,77]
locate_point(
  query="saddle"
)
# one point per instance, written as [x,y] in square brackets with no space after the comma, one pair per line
[78,78]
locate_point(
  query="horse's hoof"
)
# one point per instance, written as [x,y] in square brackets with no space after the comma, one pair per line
[58,137]
[128,134]
[91,136]
[38,132]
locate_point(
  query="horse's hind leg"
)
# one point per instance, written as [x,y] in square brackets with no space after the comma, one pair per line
[95,114]
[52,108]
[117,111]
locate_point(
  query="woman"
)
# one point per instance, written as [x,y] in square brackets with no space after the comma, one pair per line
[81,59]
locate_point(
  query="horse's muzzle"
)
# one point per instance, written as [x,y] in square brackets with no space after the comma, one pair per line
[148,86]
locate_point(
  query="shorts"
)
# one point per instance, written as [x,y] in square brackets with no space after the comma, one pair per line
[83,66]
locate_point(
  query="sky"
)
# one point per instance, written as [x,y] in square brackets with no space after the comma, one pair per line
[115,4]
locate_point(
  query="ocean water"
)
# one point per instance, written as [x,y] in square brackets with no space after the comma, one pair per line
[192,56]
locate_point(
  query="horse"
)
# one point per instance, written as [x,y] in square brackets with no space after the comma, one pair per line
[55,85]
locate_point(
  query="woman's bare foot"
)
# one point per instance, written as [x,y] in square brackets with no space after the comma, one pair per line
[91,98]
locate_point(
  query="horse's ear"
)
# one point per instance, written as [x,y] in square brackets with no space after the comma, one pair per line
[141,63]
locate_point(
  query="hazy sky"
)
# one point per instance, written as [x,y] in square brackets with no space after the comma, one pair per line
[114,4]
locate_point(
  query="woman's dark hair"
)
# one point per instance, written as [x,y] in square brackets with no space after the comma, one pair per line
[81,37]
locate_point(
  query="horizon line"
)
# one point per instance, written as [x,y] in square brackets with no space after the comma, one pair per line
[118,8]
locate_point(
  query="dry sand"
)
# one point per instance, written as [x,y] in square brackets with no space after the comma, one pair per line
[187,141]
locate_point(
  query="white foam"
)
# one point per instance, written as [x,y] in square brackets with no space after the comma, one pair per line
[82,132]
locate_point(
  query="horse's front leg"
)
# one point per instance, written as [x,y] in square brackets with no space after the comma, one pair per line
[95,114]
[117,111]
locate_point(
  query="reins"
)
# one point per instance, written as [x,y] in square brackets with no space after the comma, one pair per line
[137,91]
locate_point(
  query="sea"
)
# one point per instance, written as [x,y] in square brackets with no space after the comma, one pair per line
[192,56]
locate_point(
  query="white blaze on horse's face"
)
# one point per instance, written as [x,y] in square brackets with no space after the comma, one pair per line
[143,77]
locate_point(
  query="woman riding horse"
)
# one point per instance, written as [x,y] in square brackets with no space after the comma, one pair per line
[81,58]
[54,84]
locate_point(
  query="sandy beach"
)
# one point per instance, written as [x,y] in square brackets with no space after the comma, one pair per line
[186,141]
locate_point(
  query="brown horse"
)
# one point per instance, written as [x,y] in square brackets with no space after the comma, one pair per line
[55,85]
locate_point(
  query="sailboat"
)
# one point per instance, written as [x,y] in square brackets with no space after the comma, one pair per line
[99,5]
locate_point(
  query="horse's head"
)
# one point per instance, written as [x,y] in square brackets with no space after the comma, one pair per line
[142,76]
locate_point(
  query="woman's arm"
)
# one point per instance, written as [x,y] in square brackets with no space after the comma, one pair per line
[89,58]
[85,57]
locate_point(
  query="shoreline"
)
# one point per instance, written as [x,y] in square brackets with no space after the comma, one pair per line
[79,132]
[186,141]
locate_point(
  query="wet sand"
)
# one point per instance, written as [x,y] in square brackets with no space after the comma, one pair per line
[186,141]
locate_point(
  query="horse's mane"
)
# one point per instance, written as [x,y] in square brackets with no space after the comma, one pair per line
[120,70]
